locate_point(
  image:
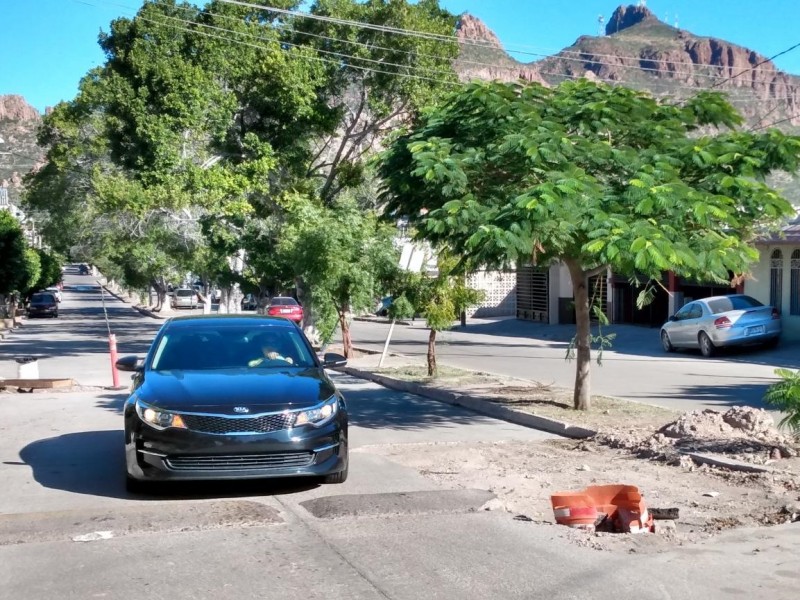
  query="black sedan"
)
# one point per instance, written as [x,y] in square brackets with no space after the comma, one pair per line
[43,304]
[233,397]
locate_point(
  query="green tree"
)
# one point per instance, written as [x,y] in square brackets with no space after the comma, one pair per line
[785,397]
[50,264]
[440,300]
[592,176]
[376,80]
[12,257]
[341,254]
[31,272]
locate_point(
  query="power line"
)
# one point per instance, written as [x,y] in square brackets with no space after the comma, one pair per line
[648,86]
[668,85]
[427,35]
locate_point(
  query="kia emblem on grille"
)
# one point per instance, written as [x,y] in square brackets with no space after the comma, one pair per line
[241,409]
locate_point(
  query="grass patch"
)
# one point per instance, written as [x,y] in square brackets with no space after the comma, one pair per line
[446,375]
[543,400]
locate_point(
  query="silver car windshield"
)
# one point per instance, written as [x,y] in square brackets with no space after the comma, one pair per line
[201,348]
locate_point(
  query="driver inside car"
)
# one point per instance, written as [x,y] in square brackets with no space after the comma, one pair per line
[268,348]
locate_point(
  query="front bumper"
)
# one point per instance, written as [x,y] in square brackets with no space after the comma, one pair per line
[178,454]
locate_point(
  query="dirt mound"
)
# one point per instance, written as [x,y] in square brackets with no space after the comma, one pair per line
[738,422]
[742,432]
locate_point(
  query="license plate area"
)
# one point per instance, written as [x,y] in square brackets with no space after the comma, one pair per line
[756,330]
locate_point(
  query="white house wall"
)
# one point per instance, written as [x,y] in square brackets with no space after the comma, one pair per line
[759,286]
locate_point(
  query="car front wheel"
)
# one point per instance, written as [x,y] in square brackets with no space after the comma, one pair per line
[707,347]
[668,347]
[339,477]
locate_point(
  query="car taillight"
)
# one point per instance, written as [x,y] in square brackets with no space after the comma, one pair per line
[776,313]
[722,323]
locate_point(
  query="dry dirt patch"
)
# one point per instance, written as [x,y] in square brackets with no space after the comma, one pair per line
[637,444]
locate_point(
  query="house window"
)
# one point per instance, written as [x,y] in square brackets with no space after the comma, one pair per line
[795,283]
[776,279]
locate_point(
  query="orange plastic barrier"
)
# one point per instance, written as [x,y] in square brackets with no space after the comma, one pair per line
[622,505]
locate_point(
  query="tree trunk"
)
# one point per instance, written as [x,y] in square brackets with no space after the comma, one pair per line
[432,353]
[347,342]
[160,288]
[583,343]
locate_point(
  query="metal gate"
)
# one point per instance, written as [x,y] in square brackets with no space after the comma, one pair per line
[533,293]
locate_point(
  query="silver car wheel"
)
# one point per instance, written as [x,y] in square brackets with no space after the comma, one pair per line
[706,345]
[668,347]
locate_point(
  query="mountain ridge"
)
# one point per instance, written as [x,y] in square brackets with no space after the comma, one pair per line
[641,51]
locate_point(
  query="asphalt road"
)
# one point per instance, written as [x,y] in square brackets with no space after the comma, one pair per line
[68,529]
[635,368]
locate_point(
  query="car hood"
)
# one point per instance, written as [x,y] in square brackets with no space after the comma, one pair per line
[221,391]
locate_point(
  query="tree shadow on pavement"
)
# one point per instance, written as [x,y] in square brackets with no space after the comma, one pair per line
[721,397]
[378,408]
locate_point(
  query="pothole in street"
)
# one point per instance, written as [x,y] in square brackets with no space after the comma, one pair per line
[398,503]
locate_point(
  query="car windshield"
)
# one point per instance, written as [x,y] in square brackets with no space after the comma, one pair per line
[42,298]
[284,302]
[209,348]
[721,305]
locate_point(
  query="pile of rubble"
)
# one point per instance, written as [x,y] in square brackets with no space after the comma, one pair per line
[743,433]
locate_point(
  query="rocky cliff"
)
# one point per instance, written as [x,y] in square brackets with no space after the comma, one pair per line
[482,56]
[18,150]
[644,53]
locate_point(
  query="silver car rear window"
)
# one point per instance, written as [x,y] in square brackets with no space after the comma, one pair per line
[721,305]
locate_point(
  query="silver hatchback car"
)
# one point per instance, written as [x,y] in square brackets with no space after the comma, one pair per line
[721,321]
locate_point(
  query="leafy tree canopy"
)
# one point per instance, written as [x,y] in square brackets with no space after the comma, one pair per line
[591,175]
[12,254]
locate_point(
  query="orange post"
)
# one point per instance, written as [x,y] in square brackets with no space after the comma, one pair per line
[112,346]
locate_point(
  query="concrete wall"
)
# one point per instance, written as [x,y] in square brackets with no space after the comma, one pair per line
[499,287]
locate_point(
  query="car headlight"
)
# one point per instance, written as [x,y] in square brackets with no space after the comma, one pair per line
[158,419]
[319,415]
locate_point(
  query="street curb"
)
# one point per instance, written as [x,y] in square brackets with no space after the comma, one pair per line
[728,463]
[475,404]
[139,309]
[381,320]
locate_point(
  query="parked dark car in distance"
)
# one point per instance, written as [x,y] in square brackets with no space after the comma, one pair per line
[719,321]
[286,307]
[233,397]
[43,304]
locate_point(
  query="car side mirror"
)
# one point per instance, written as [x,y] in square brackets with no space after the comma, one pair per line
[332,360]
[130,363]
[673,318]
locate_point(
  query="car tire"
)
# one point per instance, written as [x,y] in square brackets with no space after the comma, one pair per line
[668,347]
[707,347]
[339,477]
[137,486]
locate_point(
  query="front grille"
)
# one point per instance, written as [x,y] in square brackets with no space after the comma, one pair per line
[240,462]
[220,425]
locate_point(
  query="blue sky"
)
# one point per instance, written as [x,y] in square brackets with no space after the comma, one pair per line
[48,45]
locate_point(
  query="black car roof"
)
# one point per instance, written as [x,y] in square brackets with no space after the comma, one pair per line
[234,320]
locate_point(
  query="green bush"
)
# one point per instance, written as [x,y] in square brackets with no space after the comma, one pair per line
[785,396]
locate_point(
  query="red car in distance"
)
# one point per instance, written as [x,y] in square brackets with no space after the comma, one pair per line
[286,307]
